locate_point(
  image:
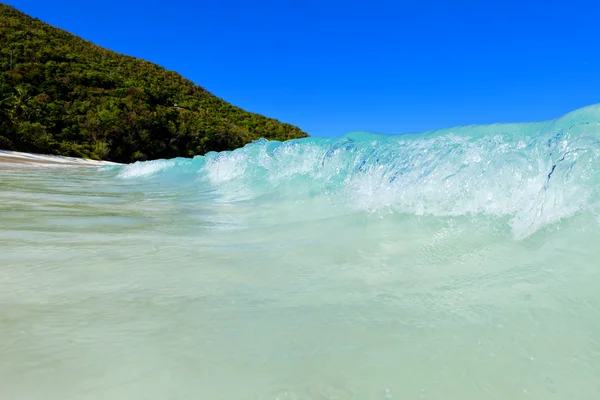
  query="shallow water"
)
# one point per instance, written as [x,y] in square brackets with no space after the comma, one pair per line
[457,264]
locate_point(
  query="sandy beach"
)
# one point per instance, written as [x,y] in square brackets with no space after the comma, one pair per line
[14,157]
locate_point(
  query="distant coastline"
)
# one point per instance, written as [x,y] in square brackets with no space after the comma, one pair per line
[15,157]
[62,95]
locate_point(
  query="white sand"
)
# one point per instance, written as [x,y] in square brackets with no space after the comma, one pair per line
[14,157]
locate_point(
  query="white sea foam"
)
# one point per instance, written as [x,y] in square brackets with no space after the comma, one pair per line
[144,169]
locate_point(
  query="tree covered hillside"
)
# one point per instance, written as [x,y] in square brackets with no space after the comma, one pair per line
[60,94]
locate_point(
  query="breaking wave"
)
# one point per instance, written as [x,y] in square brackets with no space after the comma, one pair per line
[531,174]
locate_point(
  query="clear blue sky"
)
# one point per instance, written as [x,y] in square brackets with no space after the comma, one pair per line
[332,67]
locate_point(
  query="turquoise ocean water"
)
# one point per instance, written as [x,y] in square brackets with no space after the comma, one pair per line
[456,264]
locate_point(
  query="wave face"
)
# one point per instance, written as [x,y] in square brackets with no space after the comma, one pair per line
[452,264]
[533,174]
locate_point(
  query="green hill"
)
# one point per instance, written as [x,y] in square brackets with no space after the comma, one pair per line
[60,94]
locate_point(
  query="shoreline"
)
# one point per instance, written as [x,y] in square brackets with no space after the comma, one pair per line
[20,158]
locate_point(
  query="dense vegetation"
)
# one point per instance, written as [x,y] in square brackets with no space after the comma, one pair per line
[60,94]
